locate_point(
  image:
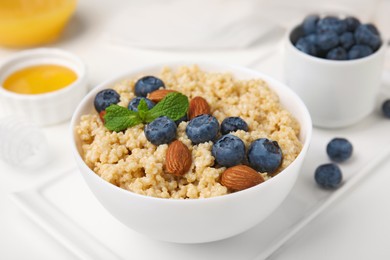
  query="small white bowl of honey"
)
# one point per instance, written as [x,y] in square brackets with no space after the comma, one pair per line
[44,84]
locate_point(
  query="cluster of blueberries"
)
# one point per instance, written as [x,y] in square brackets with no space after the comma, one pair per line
[263,155]
[337,39]
[329,176]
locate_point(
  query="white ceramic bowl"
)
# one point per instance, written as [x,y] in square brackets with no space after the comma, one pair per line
[196,220]
[336,93]
[47,108]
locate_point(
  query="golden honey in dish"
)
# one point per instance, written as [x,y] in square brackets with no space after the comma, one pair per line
[39,79]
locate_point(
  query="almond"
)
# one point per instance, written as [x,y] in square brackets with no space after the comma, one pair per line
[102,114]
[198,106]
[240,177]
[178,159]
[157,95]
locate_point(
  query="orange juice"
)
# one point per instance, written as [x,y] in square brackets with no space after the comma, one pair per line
[39,79]
[33,22]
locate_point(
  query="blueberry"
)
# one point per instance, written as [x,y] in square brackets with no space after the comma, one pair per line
[311,38]
[264,155]
[147,84]
[386,108]
[232,124]
[133,104]
[352,23]
[162,130]
[305,46]
[105,98]
[338,53]
[359,51]
[365,36]
[309,24]
[347,39]
[327,40]
[328,176]
[202,128]
[372,28]
[331,24]
[229,151]
[339,149]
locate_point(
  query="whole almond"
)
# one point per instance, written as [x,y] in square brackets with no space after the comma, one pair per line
[157,95]
[240,177]
[198,106]
[102,114]
[178,159]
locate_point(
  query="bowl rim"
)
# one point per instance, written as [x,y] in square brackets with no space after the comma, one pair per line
[290,45]
[76,64]
[174,65]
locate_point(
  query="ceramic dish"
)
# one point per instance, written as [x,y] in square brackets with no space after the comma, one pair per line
[47,108]
[196,220]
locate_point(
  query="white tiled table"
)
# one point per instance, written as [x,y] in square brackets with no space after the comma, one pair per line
[355,227]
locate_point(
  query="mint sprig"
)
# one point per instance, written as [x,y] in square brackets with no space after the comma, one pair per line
[142,109]
[174,105]
[118,118]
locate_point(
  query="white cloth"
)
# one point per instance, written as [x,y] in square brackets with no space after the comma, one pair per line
[190,24]
[218,24]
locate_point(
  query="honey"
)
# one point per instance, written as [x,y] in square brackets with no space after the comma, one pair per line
[39,79]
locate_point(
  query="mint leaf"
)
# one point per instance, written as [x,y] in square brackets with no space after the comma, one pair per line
[174,105]
[118,118]
[142,109]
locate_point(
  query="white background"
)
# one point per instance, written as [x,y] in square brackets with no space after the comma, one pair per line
[355,227]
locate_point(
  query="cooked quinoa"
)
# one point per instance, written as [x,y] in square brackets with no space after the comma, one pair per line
[127,159]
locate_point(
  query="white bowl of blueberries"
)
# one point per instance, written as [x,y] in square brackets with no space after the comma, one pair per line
[335,65]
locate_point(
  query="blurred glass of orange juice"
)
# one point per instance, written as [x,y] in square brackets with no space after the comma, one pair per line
[26,23]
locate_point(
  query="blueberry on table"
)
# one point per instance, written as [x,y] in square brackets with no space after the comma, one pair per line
[386,108]
[229,150]
[359,51]
[309,24]
[339,149]
[264,155]
[327,40]
[347,40]
[160,131]
[147,84]
[331,24]
[305,46]
[352,23]
[232,124]
[202,128]
[328,176]
[364,35]
[133,104]
[338,53]
[105,98]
